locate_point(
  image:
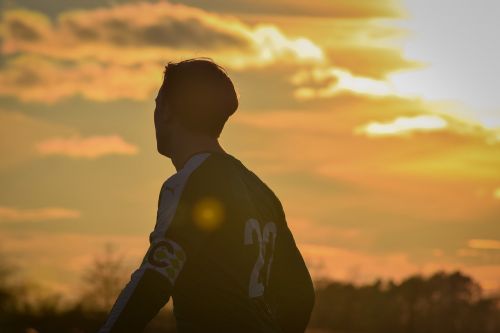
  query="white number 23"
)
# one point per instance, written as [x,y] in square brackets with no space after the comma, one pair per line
[266,240]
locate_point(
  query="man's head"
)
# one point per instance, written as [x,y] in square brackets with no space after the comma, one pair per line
[196,98]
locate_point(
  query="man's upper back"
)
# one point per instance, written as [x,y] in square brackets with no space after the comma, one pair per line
[242,269]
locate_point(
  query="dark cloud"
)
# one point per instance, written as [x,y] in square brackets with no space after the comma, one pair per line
[82,33]
[27,77]
[319,8]
[187,33]
[20,30]
[167,32]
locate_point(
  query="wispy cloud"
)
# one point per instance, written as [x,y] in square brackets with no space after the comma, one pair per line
[90,147]
[19,132]
[430,120]
[325,82]
[8,214]
[403,126]
[489,244]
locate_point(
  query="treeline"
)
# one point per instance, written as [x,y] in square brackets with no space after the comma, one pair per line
[441,303]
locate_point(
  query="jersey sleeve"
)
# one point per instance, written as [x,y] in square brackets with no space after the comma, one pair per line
[176,238]
[291,287]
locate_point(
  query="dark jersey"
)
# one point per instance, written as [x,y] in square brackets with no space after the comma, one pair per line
[221,248]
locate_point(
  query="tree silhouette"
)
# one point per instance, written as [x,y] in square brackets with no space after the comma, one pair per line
[15,291]
[103,280]
[7,294]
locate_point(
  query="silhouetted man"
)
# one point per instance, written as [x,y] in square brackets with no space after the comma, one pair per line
[221,246]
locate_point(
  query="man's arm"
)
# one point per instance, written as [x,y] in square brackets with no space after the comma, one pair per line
[291,287]
[177,235]
[141,299]
[151,285]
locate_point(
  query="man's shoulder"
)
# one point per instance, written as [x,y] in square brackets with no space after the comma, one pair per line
[214,170]
[262,182]
[255,180]
[225,175]
[206,173]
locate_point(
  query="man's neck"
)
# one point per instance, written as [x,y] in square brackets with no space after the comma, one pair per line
[180,158]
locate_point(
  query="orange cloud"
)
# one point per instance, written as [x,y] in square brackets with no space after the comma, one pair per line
[33,78]
[111,53]
[19,133]
[484,244]
[40,214]
[323,82]
[91,147]
[435,117]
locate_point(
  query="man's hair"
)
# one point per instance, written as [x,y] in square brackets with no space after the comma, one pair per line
[200,94]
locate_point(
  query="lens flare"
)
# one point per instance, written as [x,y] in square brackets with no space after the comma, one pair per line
[208,213]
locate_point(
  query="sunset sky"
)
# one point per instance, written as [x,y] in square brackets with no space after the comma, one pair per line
[377,124]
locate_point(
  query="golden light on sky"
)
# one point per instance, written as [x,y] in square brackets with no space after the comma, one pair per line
[377,123]
[459,46]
